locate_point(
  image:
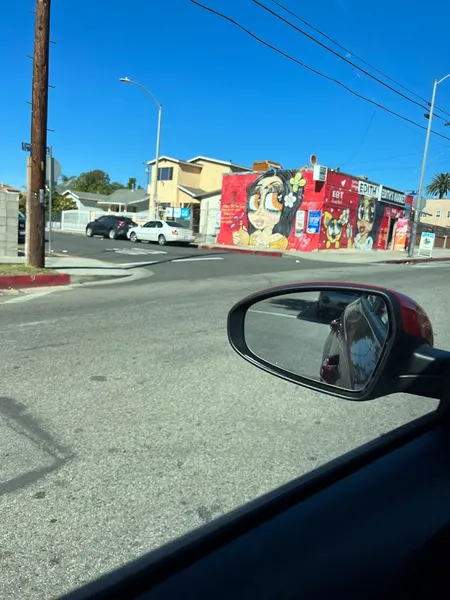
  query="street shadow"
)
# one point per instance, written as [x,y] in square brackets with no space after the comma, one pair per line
[18,419]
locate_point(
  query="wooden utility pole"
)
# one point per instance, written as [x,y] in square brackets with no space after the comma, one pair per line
[35,234]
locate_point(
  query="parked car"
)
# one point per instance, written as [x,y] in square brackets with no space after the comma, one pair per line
[112,226]
[21,228]
[355,343]
[162,232]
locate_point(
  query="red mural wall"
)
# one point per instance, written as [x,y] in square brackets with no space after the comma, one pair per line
[287,210]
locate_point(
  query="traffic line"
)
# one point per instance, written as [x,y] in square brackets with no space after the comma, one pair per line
[28,297]
[197,259]
[273,314]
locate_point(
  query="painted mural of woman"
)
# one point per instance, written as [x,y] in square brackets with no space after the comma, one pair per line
[368,220]
[272,203]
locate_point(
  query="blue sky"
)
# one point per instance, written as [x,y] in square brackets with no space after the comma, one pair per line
[224,94]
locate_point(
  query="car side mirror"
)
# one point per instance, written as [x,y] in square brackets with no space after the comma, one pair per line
[357,342]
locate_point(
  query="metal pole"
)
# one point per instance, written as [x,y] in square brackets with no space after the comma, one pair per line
[158,140]
[418,200]
[50,198]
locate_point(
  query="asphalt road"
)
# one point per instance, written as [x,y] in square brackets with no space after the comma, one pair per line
[170,263]
[126,419]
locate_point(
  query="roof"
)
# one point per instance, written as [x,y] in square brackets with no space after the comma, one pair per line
[175,160]
[4,187]
[121,196]
[197,193]
[219,162]
[192,162]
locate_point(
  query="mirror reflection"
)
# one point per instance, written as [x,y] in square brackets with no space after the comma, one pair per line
[333,336]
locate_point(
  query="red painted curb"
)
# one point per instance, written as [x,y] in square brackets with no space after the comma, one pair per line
[37,280]
[243,251]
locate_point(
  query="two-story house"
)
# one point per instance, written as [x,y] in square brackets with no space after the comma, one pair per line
[185,183]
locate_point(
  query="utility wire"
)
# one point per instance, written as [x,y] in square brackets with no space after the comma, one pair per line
[295,60]
[344,58]
[353,54]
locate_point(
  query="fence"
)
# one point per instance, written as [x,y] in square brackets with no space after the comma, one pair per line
[77,220]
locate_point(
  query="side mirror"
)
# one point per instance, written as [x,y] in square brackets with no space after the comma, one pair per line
[357,342]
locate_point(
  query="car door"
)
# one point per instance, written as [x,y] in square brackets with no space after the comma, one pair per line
[99,225]
[145,232]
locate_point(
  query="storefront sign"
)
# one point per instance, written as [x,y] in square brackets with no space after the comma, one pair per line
[402,233]
[320,173]
[299,223]
[426,243]
[368,189]
[314,218]
[392,196]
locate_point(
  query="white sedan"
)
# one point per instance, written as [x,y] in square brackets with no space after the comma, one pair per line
[162,232]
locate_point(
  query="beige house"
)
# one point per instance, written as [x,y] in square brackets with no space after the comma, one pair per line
[437,212]
[183,183]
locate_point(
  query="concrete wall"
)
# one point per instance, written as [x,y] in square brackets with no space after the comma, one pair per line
[9,213]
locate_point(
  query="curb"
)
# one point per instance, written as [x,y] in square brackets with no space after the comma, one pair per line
[37,280]
[275,254]
[406,261]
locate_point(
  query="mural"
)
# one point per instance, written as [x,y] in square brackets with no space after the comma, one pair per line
[273,200]
[288,210]
[368,220]
[334,227]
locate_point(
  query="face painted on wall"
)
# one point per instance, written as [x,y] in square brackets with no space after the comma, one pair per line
[366,217]
[264,206]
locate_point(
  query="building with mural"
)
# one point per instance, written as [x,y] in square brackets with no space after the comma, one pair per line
[312,208]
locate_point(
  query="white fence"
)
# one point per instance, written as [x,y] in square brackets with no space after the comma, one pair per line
[76,220]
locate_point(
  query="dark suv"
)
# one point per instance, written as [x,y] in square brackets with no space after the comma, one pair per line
[111,226]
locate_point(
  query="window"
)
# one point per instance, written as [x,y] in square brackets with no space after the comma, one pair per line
[438,214]
[165,174]
[174,224]
[448,214]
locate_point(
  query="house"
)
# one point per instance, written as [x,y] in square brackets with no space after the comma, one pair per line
[122,200]
[436,212]
[187,183]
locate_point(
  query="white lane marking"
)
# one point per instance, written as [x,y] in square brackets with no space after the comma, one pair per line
[28,297]
[197,259]
[134,251]
[273,314]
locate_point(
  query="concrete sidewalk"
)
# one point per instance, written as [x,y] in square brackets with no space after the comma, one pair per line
[337,256]
[84,270]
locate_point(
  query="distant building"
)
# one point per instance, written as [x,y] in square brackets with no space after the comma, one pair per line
[437,212]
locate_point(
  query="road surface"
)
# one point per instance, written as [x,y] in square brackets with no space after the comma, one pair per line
[126,419]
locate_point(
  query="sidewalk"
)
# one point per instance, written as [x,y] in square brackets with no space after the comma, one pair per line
[70,270]
[340,256]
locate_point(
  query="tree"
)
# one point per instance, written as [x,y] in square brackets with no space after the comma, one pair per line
[439,186]
[96,182]
[131,185]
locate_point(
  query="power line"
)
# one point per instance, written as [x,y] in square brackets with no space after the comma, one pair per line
[363,139]
[353,54]
[298,62]
[344,58]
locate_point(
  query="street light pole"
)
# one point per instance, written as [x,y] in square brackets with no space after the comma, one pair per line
[158,141]
[418,199]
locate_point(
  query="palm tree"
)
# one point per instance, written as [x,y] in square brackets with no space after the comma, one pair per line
[439,186]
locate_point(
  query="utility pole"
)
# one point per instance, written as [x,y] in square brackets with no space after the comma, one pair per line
[35,234]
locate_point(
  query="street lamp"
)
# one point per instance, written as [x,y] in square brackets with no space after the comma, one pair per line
[158,139]
[418,200]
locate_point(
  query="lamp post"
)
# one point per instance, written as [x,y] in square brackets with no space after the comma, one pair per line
[418,200]
[158,139]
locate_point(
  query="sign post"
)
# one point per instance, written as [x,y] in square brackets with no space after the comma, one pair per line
[426,244]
